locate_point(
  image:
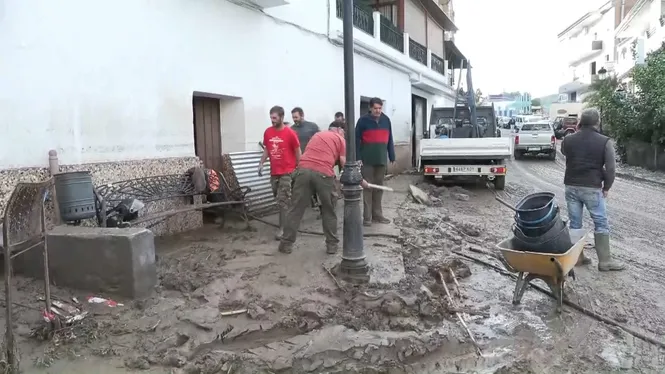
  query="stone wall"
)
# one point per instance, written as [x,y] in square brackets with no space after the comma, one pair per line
[402,158]
[645,155]
[113,172]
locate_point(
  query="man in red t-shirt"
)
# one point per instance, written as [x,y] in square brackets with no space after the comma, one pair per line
[315,175]
[281,145]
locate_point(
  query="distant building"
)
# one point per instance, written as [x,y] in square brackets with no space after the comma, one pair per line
[511,104]
[588,45]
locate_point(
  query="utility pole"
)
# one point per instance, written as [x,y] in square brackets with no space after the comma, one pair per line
[353,266]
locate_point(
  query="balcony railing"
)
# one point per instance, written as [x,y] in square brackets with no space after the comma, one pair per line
[438,65]
[362,19]
[417,51]
[391,35]
[381,28]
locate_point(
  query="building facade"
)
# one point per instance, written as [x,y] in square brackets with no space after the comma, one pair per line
[620,34]
[640,32]
[133,88]
[587,47]
[511,104]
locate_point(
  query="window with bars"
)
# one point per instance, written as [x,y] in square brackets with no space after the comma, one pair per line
[389,12]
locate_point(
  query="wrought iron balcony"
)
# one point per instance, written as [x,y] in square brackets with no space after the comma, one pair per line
[362,18]
[438,65]
[417,51]
[391,35]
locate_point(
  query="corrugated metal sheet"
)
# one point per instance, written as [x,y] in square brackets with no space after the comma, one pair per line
[245,165]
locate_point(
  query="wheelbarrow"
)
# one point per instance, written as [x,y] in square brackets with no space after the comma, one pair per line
[552,268]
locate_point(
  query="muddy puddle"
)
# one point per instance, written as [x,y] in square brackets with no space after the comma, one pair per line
[228,302]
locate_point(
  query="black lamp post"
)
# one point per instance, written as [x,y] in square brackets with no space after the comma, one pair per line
[602,74]
[353,266]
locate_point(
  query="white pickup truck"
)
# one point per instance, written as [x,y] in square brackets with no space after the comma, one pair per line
[535,138]
[454,152]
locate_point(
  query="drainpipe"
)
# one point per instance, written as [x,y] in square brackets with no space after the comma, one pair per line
[54,168]
[623,10]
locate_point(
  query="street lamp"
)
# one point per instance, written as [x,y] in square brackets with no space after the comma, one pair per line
[353,266]
[602,73]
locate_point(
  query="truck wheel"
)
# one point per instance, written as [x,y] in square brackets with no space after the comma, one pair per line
[517,155]
[552,156]
[500,182]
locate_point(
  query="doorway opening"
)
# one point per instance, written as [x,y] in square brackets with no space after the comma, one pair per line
[418,125]
[207,131]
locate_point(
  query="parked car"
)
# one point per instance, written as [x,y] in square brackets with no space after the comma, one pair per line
[564,126]
[534,138]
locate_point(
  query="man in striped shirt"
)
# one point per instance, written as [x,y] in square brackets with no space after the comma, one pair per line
[374,147]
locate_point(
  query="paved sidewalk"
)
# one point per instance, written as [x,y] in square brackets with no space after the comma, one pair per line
[381,248]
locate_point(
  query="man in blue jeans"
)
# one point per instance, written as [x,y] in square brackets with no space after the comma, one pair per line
[590,167]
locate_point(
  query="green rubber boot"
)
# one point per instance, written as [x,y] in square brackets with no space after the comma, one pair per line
[605,261]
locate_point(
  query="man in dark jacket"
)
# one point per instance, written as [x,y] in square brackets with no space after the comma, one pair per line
[338,122]
[304,129]
[374,147]
[590,168]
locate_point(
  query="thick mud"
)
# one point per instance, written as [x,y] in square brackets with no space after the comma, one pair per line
[228,302]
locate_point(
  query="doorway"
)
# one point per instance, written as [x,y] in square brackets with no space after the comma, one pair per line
[207,131]
[418,123]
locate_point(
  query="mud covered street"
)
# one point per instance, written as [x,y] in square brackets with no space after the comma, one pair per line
[228,302]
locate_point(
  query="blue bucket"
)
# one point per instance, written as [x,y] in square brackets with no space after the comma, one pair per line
[536,208]
[544,220]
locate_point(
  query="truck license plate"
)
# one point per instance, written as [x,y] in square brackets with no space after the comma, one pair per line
[463,169]
[533,149]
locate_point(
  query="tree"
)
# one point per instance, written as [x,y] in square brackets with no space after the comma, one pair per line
[535,102]
[618,113]
[640,116]
[649,100]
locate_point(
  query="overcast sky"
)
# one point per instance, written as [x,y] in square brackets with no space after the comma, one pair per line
[512,43]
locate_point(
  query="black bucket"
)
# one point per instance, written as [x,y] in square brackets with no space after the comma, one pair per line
[555,241]
[536,231]
[535,208]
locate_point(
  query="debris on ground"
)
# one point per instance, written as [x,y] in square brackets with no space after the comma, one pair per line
[419,195]
[228,302]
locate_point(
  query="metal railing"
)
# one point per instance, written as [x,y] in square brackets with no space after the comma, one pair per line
[362,18]
[391,35]
[417,51]
[438,65]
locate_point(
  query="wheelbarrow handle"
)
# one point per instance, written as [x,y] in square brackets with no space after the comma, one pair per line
[504,202]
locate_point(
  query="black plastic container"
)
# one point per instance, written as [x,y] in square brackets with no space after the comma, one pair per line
[556,240]
[535,208]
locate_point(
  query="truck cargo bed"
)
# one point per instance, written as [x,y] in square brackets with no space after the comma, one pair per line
[465,148]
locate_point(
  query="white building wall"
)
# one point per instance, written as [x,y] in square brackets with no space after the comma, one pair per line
[113,80]
[575,47]
[635,28]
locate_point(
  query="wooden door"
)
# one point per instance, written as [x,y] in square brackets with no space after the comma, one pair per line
[208,131]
